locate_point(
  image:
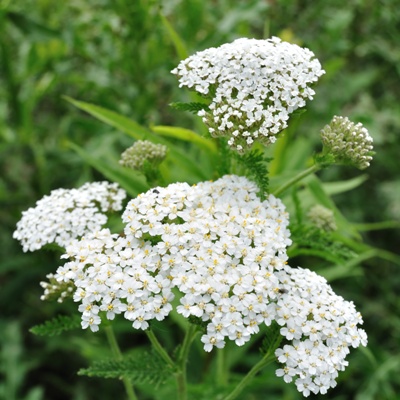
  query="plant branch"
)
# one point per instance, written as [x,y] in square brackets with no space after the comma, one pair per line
[182,361]
[296,179]
[267,359]
[112,341]
[159,349]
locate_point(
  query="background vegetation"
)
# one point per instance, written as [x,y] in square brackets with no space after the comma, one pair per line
[118,54]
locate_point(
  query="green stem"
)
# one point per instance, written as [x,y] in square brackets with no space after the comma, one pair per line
[221,377]
[158,348]
[296,179]
[182,361]
[267,359]
[112,341]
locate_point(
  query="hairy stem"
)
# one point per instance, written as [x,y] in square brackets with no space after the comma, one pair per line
[112,341]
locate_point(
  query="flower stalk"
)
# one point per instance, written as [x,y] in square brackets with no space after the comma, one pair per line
[297,178]
[112,341]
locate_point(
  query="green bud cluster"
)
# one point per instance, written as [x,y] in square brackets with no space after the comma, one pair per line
[142,150]
[322,218]
[349,143]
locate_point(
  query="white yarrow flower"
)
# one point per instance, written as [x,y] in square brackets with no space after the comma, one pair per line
[67,214]
[254,86]
[322,327]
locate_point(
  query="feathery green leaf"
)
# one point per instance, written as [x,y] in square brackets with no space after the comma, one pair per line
[193,107]
[57,325]
[144,367]
[255,164]
[311,240]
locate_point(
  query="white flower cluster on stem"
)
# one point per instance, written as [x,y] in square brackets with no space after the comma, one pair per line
[222,250]
[254,86]
[216,242]
[322,327]
[67,214]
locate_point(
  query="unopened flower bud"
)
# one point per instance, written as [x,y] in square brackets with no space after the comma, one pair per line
[349,143]
[135,156]
[322,218]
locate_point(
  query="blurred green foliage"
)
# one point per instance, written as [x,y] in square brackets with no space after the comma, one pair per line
[118,54]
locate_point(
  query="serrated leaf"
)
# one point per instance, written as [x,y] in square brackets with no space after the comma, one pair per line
[193,107]
[256,167]
[312,241]
[57,325]
[146,367]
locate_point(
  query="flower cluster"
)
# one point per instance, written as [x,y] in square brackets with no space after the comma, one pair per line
[254,86]
[348,142]
[322,327]
[216,242]
[142,150]
[67,214]
[116,275]
[322,217]
[223,251]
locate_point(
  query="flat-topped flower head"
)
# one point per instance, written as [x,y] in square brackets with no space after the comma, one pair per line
[67,214]
[254,86]
[216,242]
[322,327]
[348,142]
[135,156]
[220,244]
[116,275]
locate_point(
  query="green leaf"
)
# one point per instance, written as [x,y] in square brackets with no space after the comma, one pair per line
[255,163]
[332,188]
[175,38]
[376,226]
[193,107]
[30,27]
[186,135]
[57,325]
[145,367]
[132,182]
[272,339]
[311,241]
[138,132]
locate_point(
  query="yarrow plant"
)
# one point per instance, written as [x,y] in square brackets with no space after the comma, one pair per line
[214,255]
